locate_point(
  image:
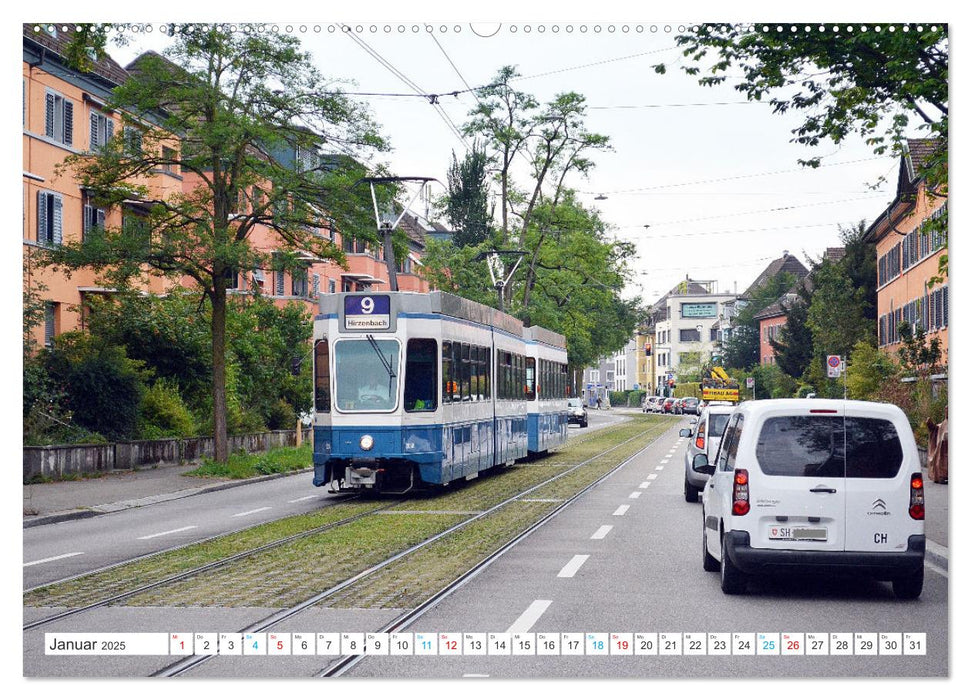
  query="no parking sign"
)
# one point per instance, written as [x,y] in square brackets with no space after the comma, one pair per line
[834,366]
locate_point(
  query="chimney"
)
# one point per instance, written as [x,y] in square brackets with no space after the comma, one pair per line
[785,253]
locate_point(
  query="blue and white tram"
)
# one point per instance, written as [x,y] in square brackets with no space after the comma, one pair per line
[547,389]
[420,388]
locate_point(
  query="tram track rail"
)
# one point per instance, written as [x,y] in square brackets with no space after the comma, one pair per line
[187,664]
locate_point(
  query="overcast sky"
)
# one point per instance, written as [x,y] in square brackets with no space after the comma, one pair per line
[713,177]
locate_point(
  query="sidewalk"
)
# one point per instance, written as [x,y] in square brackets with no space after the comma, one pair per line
[67,500]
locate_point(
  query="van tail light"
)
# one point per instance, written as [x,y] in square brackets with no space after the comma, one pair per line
[740,495]
[700,442]
[917,496]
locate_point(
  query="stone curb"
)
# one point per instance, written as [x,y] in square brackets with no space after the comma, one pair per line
[119,506]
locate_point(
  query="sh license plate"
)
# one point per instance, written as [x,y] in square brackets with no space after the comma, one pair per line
[812,534]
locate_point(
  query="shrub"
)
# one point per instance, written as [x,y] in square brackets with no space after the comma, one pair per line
[164,413]
[103,387]
[281,416]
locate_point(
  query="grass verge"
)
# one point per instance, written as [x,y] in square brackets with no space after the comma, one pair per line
[244,466]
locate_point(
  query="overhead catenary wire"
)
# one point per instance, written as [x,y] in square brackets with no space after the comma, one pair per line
[407,81]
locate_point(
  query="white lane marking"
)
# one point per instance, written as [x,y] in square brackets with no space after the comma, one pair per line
[621,510]
[635,494]
[167,532]
[665,461]
[573,566]
[250,512]
[935,568]
[644,484]
[659,467]
[475,675]
[651,476]
[601,533]
[305,498]
[530,616]
[59,556]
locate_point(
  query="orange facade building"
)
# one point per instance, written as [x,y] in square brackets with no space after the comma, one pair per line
[909,248]
[63,113]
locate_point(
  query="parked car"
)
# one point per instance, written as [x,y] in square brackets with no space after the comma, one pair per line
[679,406]
[689,404]
[815,487]
[652,404]
[706,436]
[577,412]
[668,405]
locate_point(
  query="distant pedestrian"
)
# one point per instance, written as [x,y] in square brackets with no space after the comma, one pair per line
[599,402]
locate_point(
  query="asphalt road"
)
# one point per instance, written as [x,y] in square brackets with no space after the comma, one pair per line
[626,558]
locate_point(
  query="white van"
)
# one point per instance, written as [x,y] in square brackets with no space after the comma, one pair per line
[815,486]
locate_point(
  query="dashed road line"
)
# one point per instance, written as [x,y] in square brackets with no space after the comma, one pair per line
[573,566]
[621,510]
[601,532]
[644,484]
[250,512]
[59,556]
[305,498]
[168,532]
[635,494]
[525,621]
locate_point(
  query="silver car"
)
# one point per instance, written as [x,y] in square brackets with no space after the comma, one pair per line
[706,435]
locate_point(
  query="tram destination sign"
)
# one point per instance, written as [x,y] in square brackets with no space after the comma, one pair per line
[367,313]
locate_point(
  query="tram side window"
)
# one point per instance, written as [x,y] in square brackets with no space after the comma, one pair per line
[531,378]
[446,371]
[420,375]
[466,372]
[485,384]
[322,376]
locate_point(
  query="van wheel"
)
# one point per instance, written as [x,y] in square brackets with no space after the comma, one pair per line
[909,587]
[690,492]
[732,579]
[708,562]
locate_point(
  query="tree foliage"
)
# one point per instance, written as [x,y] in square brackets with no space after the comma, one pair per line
[868,80]
[229,110]
[467,203]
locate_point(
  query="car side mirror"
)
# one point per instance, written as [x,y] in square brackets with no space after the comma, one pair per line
[700,464]
[694,421]
[684,432]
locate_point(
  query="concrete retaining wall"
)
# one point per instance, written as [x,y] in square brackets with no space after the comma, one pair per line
[59,461]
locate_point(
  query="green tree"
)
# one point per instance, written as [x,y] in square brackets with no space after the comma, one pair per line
[467,203]
[241,103]
[868,371]
[794,346]
[873,81]
[837,313]
[742,348]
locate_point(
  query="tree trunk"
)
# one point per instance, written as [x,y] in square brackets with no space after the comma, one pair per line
[220,439]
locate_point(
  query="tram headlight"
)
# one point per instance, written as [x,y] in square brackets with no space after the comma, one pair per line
[367,442]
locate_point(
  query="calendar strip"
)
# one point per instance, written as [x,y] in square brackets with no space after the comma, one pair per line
[487,644]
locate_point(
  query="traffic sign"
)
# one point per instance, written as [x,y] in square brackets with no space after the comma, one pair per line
[749,382]
[834,365]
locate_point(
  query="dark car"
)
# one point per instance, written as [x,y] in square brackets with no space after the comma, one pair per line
[689,404]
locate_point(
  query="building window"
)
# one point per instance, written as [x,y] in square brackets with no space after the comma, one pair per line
[299,278]
[102,128]
[93,218]
[49,218]
[133,140]
[50,322]
[59,119]
[169,155]
[689,335]
[331,286]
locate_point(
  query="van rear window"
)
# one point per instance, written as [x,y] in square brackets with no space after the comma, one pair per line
[717,423]
[818,446]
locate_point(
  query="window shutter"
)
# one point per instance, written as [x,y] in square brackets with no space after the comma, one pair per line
[316,287]
[99,220]
[94,131]
[68,123]
[42,217]
[48,323]
[109,129]
[49,117]
[87,221]
[944,307]
[58,218]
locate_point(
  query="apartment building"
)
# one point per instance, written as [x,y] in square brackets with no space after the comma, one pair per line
[685,330]
[64,113]
[909,245]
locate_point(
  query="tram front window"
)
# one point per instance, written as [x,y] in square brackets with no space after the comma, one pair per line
[367,374]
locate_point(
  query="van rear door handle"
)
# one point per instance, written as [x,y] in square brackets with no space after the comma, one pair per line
[822,489]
